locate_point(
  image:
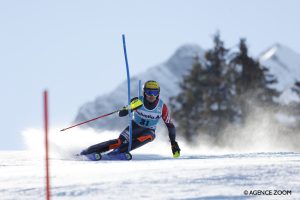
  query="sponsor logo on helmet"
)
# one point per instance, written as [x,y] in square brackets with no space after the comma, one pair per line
[152,85]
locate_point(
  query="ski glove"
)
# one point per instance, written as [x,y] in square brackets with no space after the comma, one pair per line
[123,112]
[175,149]
[134,104]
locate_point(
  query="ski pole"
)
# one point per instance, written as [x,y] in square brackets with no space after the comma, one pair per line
[89,120]
[136,103]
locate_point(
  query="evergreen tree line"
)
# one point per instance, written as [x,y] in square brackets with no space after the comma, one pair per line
[222,90]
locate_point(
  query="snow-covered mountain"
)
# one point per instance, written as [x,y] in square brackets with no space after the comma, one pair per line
[284,64]
[168,74]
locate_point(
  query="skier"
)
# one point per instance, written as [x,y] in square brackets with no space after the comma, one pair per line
[144,120]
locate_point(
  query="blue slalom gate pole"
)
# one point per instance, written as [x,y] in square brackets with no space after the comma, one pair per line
[140,89]
[129,98]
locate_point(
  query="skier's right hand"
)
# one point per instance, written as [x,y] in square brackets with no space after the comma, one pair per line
[123,112]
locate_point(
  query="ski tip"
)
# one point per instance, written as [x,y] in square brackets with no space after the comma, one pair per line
[62,129]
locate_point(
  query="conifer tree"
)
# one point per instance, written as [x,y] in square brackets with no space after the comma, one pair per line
[187,106]
[296,88]
[252,82]
[220,93]
[205,103]
[296,106]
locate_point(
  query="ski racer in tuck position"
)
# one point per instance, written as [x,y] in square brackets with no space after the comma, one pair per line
[144,121]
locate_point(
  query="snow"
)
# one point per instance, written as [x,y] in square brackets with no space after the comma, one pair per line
[267,55]
[201,176]
[201,173]
[258,158]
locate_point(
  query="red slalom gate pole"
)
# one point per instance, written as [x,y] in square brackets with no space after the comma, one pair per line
[46,145]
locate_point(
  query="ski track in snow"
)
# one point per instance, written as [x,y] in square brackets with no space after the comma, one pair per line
[151,176]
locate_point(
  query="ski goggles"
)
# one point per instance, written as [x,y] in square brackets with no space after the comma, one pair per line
[152,92]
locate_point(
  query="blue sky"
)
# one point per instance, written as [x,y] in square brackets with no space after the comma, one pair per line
[74,48]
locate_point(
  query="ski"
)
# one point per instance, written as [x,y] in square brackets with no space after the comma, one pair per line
[118,156]
[107,156]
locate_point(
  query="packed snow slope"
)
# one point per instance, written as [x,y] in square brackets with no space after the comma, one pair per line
[201,173]
[202,176]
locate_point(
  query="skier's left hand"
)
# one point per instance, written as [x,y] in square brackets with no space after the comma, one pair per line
[175,149]
[134,104]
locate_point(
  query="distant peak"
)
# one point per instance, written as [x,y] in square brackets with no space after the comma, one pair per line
[277,50]
[187,51]
[268,53]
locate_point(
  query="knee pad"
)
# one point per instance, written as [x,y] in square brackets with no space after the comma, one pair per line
[115,144]
[146,137]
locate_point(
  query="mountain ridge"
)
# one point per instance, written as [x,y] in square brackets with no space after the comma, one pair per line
[168,74]
[281,61]
[284,64]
